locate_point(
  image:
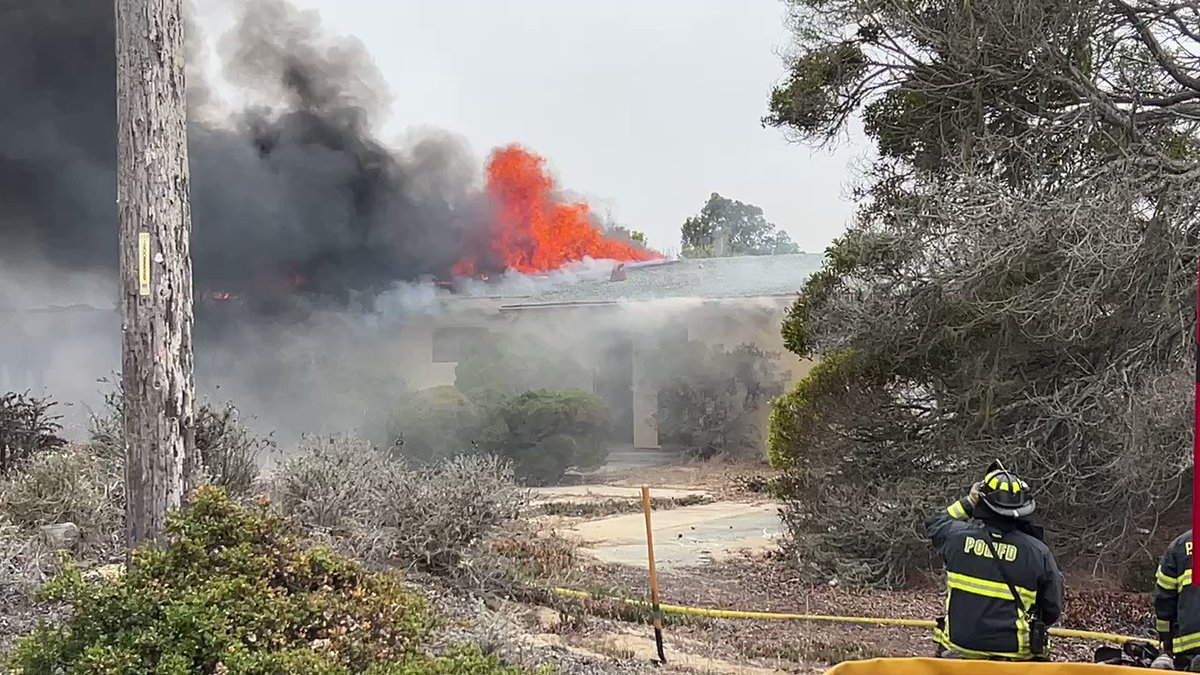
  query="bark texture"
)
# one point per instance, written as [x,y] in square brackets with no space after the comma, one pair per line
[154,218]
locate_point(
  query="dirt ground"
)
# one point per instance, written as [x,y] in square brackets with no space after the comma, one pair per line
[716,536]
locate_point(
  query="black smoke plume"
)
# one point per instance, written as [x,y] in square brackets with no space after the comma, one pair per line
[295,192]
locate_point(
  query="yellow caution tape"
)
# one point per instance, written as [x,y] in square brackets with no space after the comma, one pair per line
[864,620]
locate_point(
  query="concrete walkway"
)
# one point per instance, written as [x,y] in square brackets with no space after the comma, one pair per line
[684,536]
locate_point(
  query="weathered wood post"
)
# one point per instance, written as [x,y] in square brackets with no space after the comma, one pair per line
[154,221]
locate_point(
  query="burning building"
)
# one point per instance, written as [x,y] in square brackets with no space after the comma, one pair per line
[616,325]
[530,230]
[318,250]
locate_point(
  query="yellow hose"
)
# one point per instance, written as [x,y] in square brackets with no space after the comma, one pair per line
[873,621]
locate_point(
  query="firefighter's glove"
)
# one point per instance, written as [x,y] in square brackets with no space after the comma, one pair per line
[973,496]
[1163,662]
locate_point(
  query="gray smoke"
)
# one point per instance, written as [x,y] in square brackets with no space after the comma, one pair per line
[296,188]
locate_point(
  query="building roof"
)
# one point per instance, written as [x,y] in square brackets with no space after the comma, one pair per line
[589,283]
[713,278]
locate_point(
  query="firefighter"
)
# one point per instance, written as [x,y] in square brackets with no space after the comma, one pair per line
[992,551]
[1177,608]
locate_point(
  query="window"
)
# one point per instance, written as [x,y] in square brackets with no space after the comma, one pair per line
[453,344]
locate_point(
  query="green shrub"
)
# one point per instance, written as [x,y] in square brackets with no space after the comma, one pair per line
[26,428]
[546,432]
[234,591]
[432,424]
[795,414]
[841,521]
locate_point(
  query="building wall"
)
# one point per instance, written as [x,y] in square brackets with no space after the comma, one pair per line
[575,328]
[422,351]
[414,354]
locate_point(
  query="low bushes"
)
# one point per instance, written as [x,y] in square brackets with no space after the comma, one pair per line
[334,482]
[238,590]
[228,450]
[72,484]
[429,518]
[234,591]
[542,432]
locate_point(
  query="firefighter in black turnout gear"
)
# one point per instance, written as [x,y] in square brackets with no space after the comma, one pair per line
[1004,589]
[1177,607]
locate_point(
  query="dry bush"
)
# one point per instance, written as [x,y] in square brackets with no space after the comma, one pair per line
[84,484]
[74,485]
[430,519]
[25,561]
[333,483]
[227,450]
[611,507]
[435,519]
[711,401]
[537,556]
[105,427]
[26,428]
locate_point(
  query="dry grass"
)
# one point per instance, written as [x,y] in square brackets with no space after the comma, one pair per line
[615,506]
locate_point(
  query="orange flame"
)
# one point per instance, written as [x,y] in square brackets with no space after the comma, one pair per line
[533,232]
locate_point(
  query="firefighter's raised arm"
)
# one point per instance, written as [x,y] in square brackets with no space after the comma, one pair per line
[945,521]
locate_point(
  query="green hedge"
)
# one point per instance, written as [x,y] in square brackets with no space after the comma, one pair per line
[234,591]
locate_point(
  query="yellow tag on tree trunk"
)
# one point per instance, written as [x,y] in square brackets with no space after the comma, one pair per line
[144,263]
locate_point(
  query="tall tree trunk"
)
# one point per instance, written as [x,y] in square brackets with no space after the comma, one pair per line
[156,269]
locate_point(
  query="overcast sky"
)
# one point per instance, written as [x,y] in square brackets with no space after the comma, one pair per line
[644,106]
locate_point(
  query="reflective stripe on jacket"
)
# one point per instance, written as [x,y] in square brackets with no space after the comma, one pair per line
[982,619]
[1176,600]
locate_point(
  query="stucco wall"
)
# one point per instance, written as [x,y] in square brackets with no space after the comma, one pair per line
[414,357]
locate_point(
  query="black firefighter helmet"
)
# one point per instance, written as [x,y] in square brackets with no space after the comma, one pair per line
[1006,494]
